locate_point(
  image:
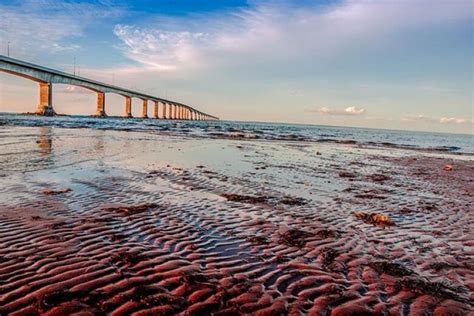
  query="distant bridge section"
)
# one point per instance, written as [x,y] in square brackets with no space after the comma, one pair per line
[46,77]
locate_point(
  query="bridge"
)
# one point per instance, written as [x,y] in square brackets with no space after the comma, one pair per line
[46,77]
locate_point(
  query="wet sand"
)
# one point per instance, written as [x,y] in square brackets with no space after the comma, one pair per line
[121,223]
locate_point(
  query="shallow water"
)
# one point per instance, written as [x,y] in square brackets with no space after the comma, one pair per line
[456,143]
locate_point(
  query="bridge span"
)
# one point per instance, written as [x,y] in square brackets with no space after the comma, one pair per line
[46,77]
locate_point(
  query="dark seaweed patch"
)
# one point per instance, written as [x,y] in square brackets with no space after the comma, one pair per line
[294,237]
[129,210]
[245,198]
[293,201]
[436,289]
[391,268]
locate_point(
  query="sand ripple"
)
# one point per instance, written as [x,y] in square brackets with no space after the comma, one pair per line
[196,241]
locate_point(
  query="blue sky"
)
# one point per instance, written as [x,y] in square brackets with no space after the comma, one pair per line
[404,64]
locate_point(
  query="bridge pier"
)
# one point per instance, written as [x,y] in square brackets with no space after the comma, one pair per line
[128,107]
[174,111]
[155,109]
[145,108]
[100,112]
[45,106]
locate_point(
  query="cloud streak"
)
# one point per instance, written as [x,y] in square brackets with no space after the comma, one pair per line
[349,111]
[439,120]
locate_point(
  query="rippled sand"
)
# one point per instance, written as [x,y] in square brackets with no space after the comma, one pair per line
[120,223]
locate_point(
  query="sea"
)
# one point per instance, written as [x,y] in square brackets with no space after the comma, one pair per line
[425,141]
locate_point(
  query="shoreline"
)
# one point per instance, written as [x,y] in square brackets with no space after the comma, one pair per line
[211,130]
[259,122]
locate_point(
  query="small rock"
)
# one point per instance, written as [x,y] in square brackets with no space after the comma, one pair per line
[55,192]
[448,168]
[374,218]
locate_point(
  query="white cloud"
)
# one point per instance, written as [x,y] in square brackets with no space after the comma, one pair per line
[278,33]
[354,110]
[442,120]
[418,117]
[42,26]
[349,111]
[456,120]
[163,50]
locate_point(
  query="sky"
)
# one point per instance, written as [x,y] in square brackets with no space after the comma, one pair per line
[398,64]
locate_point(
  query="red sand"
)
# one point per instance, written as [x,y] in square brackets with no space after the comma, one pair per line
[197,241]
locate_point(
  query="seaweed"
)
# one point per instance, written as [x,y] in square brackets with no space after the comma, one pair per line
[345,174]
[129,210]
[294,237]
[391,268]
[293,201]
[436,289]
[326,233]
[378,177]
[245,198]
[257,240]
[328,256]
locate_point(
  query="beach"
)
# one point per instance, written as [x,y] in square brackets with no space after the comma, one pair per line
[132,221]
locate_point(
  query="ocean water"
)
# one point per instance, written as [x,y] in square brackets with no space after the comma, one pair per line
[440,142]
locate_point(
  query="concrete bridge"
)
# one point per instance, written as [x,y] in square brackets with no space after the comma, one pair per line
[46,77]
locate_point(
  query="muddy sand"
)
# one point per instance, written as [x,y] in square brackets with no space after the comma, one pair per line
[127,223]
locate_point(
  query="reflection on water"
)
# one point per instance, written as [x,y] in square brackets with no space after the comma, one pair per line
[45,148]
[45,141]
[99,145]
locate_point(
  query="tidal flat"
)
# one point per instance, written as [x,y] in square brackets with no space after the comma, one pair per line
[98,221]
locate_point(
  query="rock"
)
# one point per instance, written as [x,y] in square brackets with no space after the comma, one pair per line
[374,218]
[448,168]
[56,192]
